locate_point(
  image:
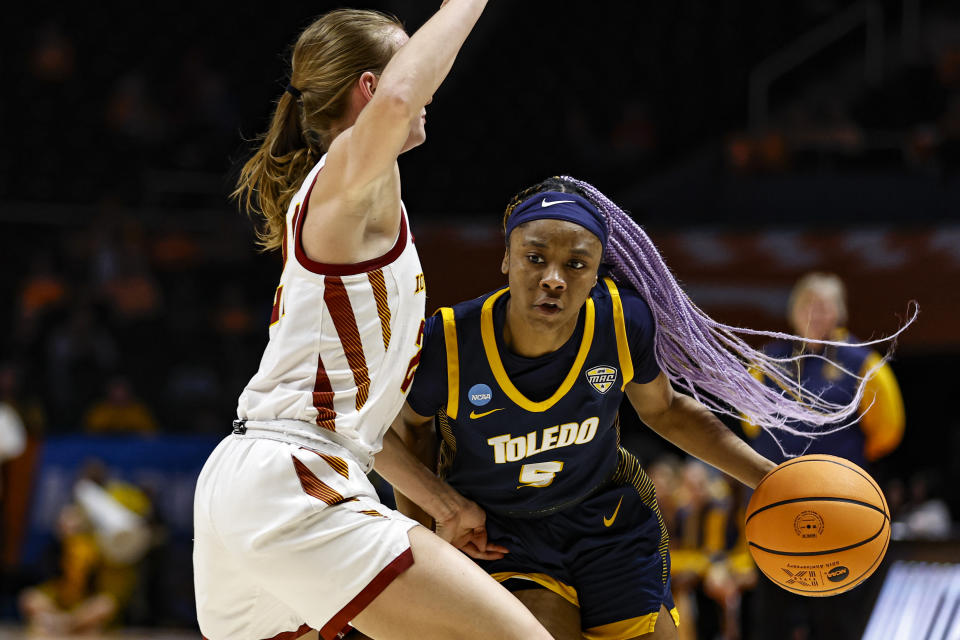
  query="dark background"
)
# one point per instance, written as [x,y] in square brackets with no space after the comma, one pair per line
[124,127]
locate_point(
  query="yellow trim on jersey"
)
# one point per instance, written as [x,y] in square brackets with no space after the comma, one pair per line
[749,429]
[487,332]
[453,361]
[628,628]
[620,325]
[882,420]
[566,592]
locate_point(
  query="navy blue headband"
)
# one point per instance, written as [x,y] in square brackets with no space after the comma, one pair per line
[555,205]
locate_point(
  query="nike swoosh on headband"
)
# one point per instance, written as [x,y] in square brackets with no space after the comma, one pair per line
[545,203]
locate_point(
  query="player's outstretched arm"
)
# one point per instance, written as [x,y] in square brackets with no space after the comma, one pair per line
[407,84]
[692,427]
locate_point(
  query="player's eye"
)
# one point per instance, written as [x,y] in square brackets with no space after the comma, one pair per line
[576,264]
[534,258]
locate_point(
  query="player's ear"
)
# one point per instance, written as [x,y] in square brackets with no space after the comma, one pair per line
[368,84]
[505,265]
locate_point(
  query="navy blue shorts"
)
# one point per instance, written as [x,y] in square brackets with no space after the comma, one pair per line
[607,555]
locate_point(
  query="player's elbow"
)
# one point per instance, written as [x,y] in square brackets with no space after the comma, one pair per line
[395,104]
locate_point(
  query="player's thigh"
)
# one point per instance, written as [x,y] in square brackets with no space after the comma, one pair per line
[665,629]
[445,595]
[560,617]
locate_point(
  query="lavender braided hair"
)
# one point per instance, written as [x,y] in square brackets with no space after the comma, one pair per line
[706,358]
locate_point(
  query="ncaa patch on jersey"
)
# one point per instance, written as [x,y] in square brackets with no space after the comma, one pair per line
[602,378]
[479,395]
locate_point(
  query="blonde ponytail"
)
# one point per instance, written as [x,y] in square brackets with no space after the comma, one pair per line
[328,58]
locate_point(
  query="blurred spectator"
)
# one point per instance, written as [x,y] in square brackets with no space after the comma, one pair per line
[710,564]
[921,516]
[52,58]
[80,354]
[818,311]
[13,434]
[233,318]
[119,412]
[93,585]
[43,288]
[131,293]
[665,473]
[29,411]
[70,603]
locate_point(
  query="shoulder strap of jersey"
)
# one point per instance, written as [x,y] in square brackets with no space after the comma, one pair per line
[453,360]
[620,328]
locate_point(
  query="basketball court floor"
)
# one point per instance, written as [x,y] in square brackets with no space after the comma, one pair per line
[21,633]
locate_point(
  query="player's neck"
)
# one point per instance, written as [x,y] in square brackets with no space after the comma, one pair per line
[532,341]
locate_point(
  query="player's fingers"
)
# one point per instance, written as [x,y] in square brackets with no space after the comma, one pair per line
[479,538]
[496,548]
[471,550]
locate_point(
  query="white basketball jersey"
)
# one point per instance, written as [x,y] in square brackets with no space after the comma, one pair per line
[344,339]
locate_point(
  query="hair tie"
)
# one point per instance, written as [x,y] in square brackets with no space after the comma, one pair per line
[292,90]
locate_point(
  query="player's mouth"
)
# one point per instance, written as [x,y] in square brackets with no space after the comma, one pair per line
[548,307]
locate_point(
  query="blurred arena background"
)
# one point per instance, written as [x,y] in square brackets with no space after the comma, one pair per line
[755,140]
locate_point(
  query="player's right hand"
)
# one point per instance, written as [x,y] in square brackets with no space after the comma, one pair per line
[467,531]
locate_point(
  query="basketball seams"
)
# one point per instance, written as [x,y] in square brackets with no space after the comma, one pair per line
[820,553]
[816,499]
[823,458]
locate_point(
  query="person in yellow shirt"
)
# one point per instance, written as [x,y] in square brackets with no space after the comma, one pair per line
[119,412]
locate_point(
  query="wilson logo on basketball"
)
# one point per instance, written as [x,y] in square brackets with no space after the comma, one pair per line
[602,378]
[838,574]
[808,524]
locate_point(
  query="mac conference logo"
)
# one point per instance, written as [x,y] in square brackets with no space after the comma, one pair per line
[479,395]
[602,378]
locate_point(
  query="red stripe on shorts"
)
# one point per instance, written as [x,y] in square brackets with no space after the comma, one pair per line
[341,311]
[314,486]
[337,464]
[339,624]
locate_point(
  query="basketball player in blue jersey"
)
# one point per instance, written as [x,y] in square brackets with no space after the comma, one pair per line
[525,384]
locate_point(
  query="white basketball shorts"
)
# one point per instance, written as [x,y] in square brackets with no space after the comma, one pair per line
[289,538]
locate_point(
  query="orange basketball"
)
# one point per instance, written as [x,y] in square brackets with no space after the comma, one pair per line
[818,525]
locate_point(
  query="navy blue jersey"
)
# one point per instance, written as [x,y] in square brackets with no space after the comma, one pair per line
[833,385]
[528,436]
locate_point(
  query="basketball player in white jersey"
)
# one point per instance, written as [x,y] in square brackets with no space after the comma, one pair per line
[289,534]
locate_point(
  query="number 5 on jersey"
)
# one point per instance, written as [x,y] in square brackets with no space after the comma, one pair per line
[539,474]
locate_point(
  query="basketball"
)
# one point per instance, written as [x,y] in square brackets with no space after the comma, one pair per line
[818,525]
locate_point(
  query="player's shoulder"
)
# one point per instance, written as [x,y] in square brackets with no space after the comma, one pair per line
[852,354]
[469,309]
[636,311]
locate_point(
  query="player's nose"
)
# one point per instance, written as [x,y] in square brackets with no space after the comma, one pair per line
[552,280]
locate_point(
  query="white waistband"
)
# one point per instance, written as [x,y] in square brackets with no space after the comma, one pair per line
[299,432]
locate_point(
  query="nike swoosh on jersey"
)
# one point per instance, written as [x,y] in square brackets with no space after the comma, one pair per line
[544,203]
[609,521]
[474,415]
